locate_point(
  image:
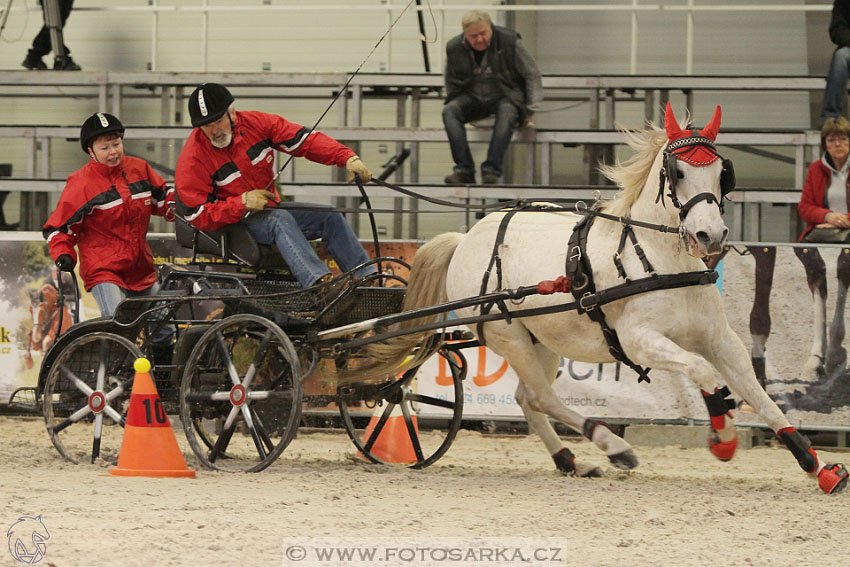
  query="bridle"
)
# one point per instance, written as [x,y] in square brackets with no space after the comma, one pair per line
[670,173]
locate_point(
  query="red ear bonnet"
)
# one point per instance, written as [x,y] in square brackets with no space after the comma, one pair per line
[700,151]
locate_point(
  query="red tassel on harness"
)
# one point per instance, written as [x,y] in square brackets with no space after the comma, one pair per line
[561,285]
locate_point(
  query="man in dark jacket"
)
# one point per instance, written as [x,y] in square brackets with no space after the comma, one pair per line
[488,72]
[839,69]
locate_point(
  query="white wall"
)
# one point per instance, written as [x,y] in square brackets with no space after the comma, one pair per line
[337,40]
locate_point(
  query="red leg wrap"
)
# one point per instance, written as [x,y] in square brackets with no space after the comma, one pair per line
[723,450]
[832,479]
[718,422]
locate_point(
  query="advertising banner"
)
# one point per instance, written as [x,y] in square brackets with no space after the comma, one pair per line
[797,339]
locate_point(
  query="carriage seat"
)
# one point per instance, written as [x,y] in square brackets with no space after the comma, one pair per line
[232,242]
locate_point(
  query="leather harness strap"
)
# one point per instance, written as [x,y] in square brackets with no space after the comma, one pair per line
[496,260]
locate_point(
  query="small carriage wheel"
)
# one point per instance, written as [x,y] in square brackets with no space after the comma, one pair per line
[240,396]
[431,445]
[90,380]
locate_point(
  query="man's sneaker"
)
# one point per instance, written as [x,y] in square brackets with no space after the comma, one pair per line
[460,178]
[489,178]
[66,64]
[34,62]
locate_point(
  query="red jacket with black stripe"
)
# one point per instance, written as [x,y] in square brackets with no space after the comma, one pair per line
[105,212]
[811,206]
[210,181]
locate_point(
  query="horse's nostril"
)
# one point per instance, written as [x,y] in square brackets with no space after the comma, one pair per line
[703,236]
[725,234]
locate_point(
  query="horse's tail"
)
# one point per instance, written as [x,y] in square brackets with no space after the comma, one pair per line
[426,287]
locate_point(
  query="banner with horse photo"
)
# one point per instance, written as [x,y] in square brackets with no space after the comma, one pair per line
[786,302]
[796,336]
[31,317]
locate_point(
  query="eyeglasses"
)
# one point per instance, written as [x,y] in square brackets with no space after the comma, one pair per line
[837,140]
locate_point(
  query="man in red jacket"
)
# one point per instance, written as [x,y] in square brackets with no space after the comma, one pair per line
[104,211]
[225,175]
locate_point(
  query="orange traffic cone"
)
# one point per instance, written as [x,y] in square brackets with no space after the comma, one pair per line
[393,444]
[149,447]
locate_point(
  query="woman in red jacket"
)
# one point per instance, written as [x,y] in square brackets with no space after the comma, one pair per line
[825,191]
[104,211]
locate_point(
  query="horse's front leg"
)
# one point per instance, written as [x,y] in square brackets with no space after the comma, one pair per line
[648,347]
[836,354]
[815,268]
[731,360]
[28,354]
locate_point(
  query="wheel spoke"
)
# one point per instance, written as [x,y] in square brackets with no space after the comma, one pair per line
[98,430]
[81,386]
[118,390]
[208,397]
[258,443]
[222,442]
[231,368]
[429,400]
[379,426]
[261,429]
[270,395]
[411,432]
[112,413]
[259,356]
[101,367]
[73,418]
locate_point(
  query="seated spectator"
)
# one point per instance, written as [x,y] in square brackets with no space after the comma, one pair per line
[835,96]
[488,72]
[825,191]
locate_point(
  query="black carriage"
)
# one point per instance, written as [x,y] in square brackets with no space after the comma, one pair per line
[245,340]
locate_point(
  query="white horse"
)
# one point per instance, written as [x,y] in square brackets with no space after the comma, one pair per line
[675,179]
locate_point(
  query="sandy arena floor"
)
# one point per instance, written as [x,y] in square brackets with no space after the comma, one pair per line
[679,507]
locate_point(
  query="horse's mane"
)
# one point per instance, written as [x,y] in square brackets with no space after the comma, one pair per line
[631,175]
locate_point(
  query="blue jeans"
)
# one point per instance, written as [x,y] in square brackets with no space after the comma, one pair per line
[835,96]
[109,295]
[465,108]
[291,231]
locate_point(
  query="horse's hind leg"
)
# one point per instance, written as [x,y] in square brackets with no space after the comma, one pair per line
[836,354]
[816,278]
[539,422]
[536,367]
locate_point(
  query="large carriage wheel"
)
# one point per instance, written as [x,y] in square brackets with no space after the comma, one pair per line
[428,446]
[240,397]
[87,394]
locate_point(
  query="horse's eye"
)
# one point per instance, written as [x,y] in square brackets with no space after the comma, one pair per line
[680,175]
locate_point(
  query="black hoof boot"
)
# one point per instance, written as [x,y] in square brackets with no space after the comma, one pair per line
[627,460]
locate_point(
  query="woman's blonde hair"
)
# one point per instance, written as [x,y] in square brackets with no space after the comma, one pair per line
[835,125]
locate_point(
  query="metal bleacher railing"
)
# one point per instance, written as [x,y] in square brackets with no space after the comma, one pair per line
[112,89]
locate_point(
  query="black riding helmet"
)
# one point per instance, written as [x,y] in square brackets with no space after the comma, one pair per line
[96,125]
[208,103]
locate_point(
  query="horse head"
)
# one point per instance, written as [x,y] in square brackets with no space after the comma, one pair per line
[696,179]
